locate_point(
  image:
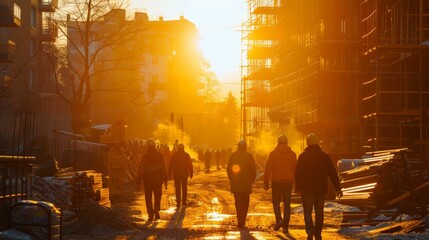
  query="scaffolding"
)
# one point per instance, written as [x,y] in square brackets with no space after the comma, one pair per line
[259,38]
[313,76]
[395,88]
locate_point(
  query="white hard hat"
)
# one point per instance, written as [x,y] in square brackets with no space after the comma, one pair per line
[312,139]
[242,144]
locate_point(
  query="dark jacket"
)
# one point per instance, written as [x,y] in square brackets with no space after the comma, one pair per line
[181,165]
[241,171]
[153,167]
[313,168]
[281,165]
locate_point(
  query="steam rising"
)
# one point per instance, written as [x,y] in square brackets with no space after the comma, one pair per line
[166,133]
[266,140]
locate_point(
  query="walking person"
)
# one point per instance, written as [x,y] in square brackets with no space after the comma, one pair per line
[280,168]
[207,160]
[181,168]
[154,174]
[241,171]
[313,168]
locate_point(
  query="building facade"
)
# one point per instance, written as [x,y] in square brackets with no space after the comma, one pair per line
[27,76]
[353,72]
[148,75]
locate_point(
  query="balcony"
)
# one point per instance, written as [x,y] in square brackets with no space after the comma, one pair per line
[10,17]
[49,32]
[48,5]
[7,51]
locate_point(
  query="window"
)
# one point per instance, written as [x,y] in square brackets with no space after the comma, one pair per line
[33,47]
[343,27]
[33,15]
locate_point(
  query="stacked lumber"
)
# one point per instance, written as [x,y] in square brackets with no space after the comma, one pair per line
[86,186]
[383,180]
[402,227]
[70,189]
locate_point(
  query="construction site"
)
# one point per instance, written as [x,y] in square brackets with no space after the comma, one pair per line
[358,78]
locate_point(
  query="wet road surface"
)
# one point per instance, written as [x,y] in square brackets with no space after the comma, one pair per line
[209,214]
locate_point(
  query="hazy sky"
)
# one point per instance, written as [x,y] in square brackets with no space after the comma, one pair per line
[219,24]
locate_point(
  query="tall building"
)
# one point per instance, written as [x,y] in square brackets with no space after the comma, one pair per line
[26,75]
[147,75]
[303,70]
[354,72]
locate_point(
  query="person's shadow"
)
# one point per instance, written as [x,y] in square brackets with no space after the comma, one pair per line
[177,219]
[245,234]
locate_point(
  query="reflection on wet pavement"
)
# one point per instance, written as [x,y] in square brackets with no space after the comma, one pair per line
[243,234]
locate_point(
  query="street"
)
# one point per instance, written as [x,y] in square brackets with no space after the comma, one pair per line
[209,214]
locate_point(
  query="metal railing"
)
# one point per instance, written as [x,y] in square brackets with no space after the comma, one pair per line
[15,183]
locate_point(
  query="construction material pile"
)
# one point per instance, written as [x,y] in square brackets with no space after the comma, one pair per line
[385,180]
[94,217]
[69,189]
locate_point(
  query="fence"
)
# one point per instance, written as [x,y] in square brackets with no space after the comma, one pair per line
[15,183]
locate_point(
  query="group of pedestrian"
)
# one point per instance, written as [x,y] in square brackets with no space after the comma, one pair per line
[308,174]
[156,169]
[220,157]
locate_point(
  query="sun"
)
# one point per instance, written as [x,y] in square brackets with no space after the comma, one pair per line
[220,37]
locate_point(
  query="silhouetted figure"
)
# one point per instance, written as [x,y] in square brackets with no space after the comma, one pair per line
[313,168]
[217,157]
[280,168]
[175,144]
[167,155]
[181,168]
[154,174]
[207,160]
[241,171]
[223,157]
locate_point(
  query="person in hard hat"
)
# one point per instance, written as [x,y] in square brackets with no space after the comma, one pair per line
[241,171]
[154,174]
[280,168]
[181,168]
[313,168]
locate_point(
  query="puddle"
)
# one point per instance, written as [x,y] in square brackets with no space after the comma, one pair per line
[242,234]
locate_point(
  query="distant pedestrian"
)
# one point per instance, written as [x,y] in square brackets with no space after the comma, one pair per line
[241,171]
[280,168]
[181,168]
[207,160]
[175,144]
[154,174]
[313,168]
[217,157]
[167,154]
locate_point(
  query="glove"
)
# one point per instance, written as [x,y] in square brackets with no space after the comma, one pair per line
[339,194]
[266,186]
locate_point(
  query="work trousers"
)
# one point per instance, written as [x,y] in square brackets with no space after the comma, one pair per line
[242,207]
[308,202]
[155,189]
[282,191]
[181,186]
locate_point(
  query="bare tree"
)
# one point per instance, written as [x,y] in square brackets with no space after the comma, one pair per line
[210,82]
[95,43]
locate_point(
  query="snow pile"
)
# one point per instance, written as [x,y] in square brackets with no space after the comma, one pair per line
[330,207]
